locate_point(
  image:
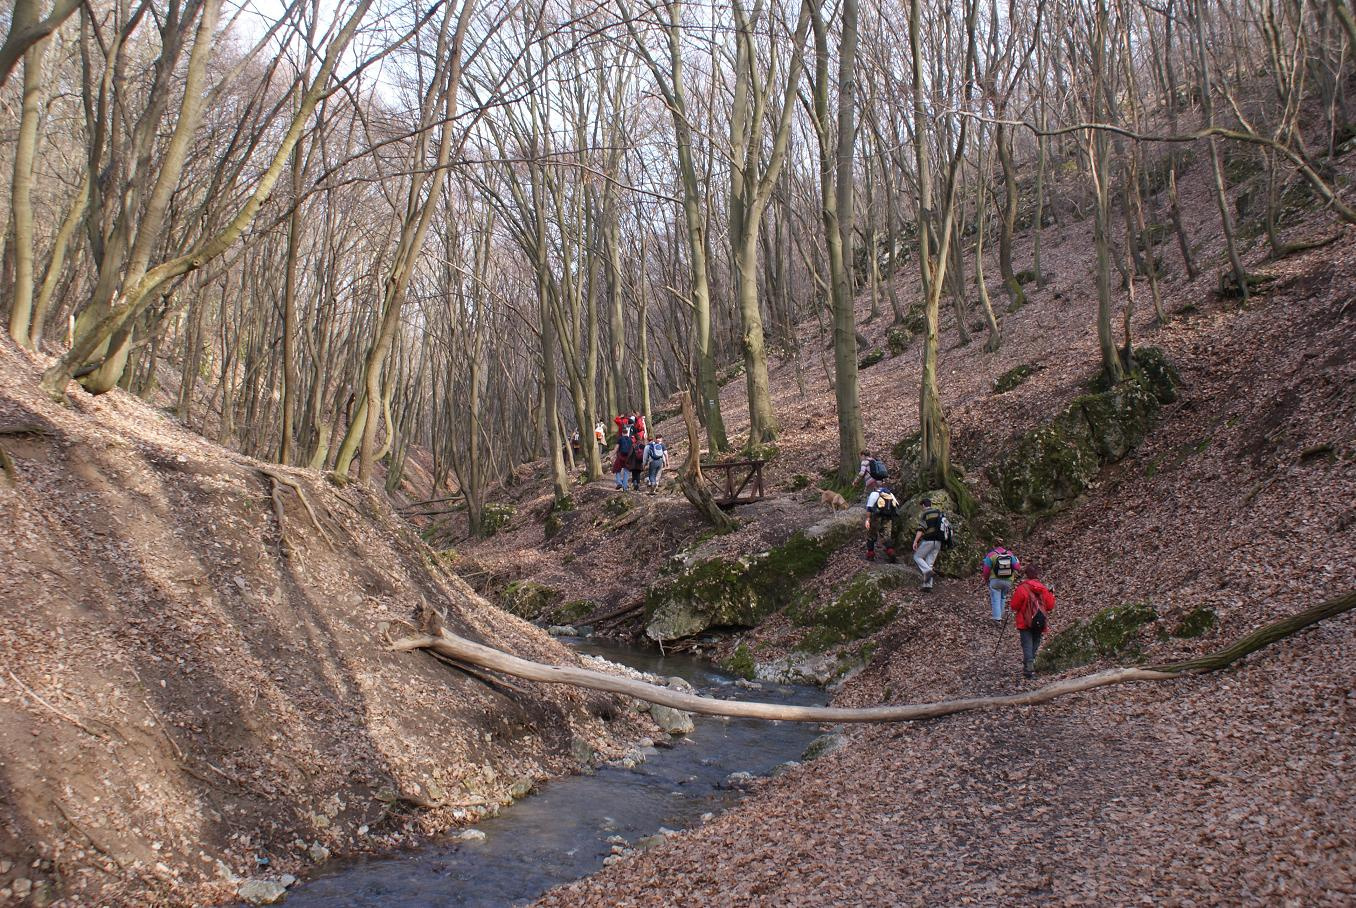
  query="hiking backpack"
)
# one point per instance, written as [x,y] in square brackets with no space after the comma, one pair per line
[887,505]
[948,536]
[877,469]
[1037,623]
[1002,566]
[624,445]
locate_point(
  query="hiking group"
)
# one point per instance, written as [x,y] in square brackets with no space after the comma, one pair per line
[1027,599]
[635,455]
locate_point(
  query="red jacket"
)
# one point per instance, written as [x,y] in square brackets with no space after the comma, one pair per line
[1025,598]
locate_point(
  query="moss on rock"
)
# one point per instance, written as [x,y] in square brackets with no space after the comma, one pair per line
[1119,419]
[495,517]
[1196,623]
[871,359]
[1051,464]
[529,599]
[897,339]
[1160,374]
[576,610]
[741,664]
[724,592]
[1015,377]
[619,504]
[859,611]
[1112,633]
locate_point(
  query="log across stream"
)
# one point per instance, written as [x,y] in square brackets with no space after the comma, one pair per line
[560,833]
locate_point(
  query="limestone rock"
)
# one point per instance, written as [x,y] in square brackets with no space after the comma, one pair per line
[823,746]
[672,721]
[261,892]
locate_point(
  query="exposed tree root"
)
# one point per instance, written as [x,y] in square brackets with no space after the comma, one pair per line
[57,712]
[449,645]
[280,478]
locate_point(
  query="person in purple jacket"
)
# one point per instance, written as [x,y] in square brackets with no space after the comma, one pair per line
[999,570]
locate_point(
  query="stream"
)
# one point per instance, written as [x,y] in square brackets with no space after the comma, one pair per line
[560,833]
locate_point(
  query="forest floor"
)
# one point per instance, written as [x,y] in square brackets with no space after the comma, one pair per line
[1236,788]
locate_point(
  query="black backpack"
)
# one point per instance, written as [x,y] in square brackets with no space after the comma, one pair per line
[877,469]
[624,445]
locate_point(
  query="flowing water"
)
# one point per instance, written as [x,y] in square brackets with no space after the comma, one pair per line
[560,834]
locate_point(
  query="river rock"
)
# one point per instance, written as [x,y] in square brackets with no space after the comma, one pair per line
[21,887]
[318,853]
[737,780]
[673,721]
[823,746]
[563,630]
[471,835]
[261,892]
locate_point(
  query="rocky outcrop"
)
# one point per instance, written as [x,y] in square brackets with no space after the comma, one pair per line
[731,592]
[1052,464]
[529,599]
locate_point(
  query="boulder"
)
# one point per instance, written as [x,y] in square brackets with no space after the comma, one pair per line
[1051,464]
[1119,419]
[823,746]
[1112,633]
[261,892]
[840,528]
[672,721]
[732,592]
[528,599]
[859,611]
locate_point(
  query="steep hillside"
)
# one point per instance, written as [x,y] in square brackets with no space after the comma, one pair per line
[195,685]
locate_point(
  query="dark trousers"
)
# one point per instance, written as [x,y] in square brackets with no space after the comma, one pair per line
[1031,641]
[893,526]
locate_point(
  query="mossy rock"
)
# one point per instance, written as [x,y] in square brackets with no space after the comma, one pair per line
[618,504]
[529,599]
[1155,234]
[741,664]
[1112,633]
[1015,377]
[552,525]
[495,517]
[1119,419]
[897,339]
[1195,623]
[965,555]
[724,592]
[907,451]
[871,359]
[575,610]
[729,373]
[1051,464]
[859,611]
[1025,276]
[1158,371]
[797,482]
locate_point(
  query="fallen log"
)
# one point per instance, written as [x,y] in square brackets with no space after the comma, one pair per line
[460,649]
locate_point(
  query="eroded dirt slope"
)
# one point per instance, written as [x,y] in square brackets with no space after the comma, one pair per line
[187,690]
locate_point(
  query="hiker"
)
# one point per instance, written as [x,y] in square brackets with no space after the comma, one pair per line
[574,444]
[635,462]
[620,469]
[930,533]
[998,570]
[638,423]
[882,508]
[1031,601]
[600,436]
[872,471]
[656,458]
[624,425]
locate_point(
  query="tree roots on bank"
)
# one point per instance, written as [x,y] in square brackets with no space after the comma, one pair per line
[439,640]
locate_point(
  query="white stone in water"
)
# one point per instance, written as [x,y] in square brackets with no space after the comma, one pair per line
[673,721]
[261,892]
[471,835]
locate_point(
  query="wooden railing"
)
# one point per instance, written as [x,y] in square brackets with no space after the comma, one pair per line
[737,482]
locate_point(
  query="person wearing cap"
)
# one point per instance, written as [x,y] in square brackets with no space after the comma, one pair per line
[927,541]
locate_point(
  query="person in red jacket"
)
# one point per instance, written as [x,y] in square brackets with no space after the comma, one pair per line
[1031,602]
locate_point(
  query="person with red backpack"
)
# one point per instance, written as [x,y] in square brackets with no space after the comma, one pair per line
[1031,602]
[999,569]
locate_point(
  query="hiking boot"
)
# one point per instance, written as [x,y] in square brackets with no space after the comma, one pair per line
[1028,674]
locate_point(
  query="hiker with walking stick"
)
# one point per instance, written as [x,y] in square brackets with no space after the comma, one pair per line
[1031,601]
[999,569]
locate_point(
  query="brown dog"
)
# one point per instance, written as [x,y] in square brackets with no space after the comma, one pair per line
[835,501]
